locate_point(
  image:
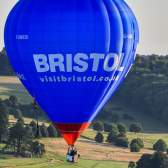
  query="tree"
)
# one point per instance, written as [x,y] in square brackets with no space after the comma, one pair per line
[110,127]
[38,148]
[113,117]
[44,131]
[132,165]
[98,126]
[13,100]
[5,67]
[20,137]
[38,133]
[17,113]
[112,136]
[33,124]
[122,142]
[107,127]
[135,127]
[52,131]
[99,137]
[137,141]
[160,146]
[4,115]
[36,129]
[156,160]
[145,161]
[122,128]
[134,147]
[159,160]
[29,133]
[140,142]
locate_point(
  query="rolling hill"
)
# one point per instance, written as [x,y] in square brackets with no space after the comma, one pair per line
[10,85]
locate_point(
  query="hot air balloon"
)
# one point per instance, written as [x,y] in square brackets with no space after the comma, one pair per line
[71,55]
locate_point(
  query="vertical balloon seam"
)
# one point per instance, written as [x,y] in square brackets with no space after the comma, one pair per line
[133,19]
[133,33]
[136,27]
[98,86]
[18,47]
[100,103]
[123,74]
[105,92]
[115,86]
[109,95]
[122,9]
[15,12]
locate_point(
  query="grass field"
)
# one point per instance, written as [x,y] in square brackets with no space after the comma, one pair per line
[92,150]
[93,155]
[12,86]
[53,161]
[26,120]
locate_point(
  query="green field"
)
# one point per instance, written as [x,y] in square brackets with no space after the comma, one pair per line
[92,154]
[53,161]
[12,86]
[54,158]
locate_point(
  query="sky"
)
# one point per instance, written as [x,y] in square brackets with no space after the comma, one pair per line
[152,16]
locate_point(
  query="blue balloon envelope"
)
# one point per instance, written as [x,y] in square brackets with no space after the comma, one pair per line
[70,55]
[125,62]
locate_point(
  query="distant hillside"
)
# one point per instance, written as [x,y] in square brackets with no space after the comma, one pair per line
[142,97]
[5,67]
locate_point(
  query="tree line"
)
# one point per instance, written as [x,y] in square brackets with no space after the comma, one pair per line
[19,110]
[146,86]
[21,139]
[117,135]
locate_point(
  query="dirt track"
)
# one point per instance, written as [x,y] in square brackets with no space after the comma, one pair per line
[92,150]
[9,79]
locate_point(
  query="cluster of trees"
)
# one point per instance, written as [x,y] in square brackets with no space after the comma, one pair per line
[108,127]
[157,160]
[20,110]
[42,131]
[146,86]
[20,141]
[117,135]
[20,137]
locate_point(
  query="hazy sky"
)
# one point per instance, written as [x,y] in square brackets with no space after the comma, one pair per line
[153,21]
